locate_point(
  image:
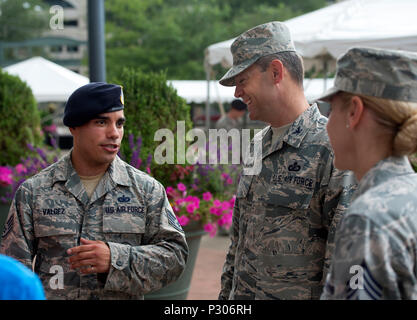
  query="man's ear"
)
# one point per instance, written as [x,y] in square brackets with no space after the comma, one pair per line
[356,109]
[72,130]
[277,69]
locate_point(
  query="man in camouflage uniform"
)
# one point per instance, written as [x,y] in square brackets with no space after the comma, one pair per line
[285,217]
[99,228]
[375,245]
[233,118]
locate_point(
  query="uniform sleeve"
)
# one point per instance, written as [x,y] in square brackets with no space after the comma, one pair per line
[228,267]
[368,263]
[159,261]
[18,235]
[336,199]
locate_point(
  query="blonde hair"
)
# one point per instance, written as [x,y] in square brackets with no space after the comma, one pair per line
[397,117]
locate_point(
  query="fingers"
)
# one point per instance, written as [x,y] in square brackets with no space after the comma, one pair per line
[95,254]
[86,241]
[86,245]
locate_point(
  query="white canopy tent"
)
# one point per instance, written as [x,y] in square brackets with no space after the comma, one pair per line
[326,33]
[49,81]
[195,91]
[333,29]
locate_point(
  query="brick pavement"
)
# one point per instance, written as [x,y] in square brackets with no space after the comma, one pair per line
[205,282]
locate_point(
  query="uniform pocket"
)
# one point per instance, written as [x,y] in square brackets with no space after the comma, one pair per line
[125,229]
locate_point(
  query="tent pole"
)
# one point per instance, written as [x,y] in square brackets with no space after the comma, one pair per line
[208,71]
[326,70]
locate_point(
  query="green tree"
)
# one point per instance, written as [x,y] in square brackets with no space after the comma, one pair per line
[150,104]
[20,121]
[172,35]
[22,19]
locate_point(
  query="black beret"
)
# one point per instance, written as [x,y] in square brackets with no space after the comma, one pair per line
[90,100]
[238,105]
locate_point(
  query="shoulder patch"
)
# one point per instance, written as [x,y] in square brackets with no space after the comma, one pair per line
[173,222]
[8,226]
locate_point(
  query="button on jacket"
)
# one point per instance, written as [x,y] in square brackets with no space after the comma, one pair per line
[285,217]
[128,210]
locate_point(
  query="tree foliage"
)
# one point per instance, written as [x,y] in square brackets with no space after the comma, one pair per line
[20,121]
[150,104]
[172,35]
[22,19]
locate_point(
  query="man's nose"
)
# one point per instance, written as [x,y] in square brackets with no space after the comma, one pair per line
[238,92]
[113,131]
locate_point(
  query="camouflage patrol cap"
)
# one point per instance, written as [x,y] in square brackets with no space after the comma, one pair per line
[381,73]
[262,40]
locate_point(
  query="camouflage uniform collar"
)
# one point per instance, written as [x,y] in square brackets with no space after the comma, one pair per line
[116,171]
[295,133]
[381,172]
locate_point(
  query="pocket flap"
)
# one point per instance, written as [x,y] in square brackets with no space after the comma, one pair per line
[124,223]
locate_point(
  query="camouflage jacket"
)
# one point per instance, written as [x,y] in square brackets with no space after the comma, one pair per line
[284,218]
[225,122]
[375,255]
[128,210]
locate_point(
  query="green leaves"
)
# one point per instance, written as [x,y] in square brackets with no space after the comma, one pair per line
[150,105]
[19,121]
[172,35]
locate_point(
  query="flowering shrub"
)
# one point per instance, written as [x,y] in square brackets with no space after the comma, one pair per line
[211,212]
[205,193]
[12,177]
[200,192]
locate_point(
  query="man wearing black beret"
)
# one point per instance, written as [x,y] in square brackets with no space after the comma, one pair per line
[99,228]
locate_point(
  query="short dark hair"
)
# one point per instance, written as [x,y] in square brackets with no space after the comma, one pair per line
[290,60]
[238,105]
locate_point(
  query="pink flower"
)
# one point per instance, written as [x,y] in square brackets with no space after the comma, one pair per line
[169,190]
[183,220]
[179,202]
[148,170]
[217,203]
[224,176]
[215,211]
[191,208]
[5,176]
[51,128]
[211,228]
[232,201]
[229,180]
[20,168]
[225,205]
[207,196]
[181,187]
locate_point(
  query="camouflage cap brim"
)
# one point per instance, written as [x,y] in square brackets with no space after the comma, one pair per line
[375,72]
[228,79]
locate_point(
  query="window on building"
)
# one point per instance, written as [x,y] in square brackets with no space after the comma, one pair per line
[72,48]
[56,49]
[70,23]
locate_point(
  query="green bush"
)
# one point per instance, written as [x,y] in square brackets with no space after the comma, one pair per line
[19,121]
[150,104]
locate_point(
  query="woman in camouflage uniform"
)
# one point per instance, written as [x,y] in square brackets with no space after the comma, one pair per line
[372,128]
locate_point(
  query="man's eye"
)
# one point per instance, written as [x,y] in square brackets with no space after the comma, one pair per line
[100,122]
[120,124]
